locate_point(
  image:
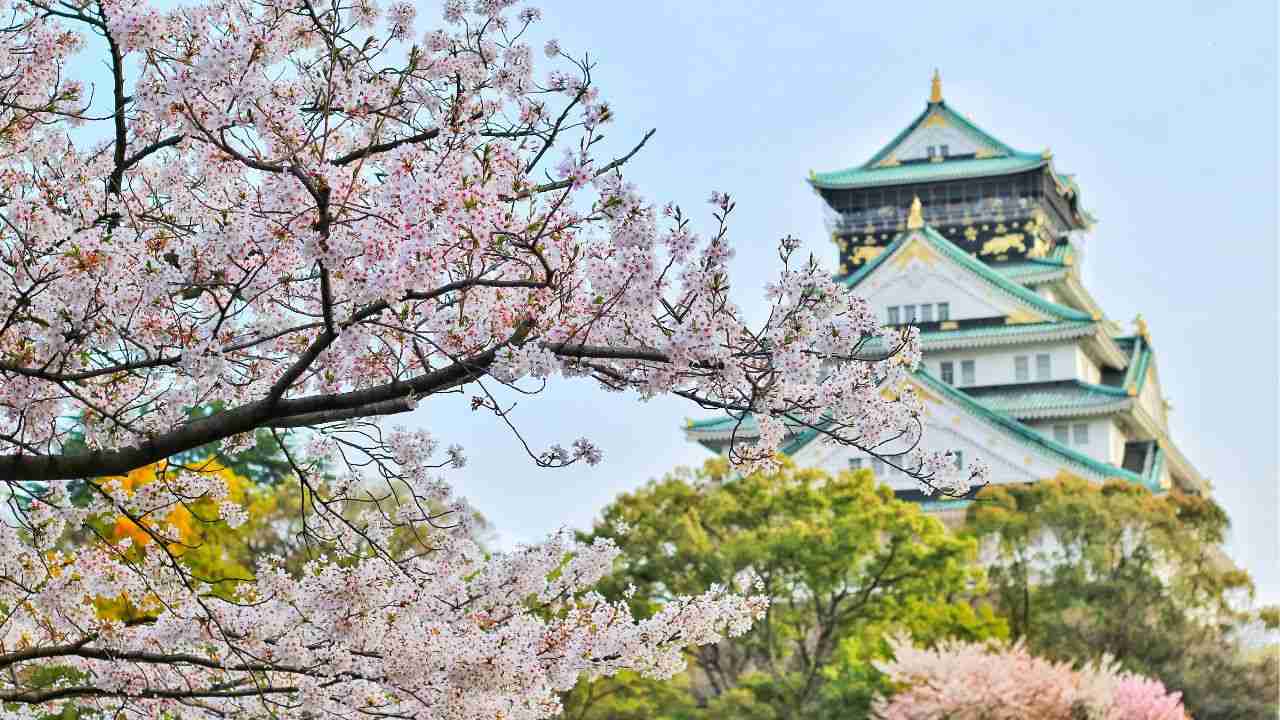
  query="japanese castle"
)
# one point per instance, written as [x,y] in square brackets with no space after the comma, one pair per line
[979,245]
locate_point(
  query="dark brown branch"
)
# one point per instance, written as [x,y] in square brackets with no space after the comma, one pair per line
[384,147]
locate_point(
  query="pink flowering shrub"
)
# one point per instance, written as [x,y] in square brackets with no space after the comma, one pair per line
[964,681]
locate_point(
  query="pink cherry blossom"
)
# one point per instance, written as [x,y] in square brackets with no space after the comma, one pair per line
[969,681]
[293,219]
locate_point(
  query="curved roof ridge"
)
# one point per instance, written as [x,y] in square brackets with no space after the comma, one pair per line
[964,123]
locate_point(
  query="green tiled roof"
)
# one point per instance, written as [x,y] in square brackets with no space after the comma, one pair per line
[1052,399]
[939,505]
[1139,360]
[999,159]
[982,332]
[954,119]
[1018,430]
[1021,271]
[979,268]
[1025,433]
[926,171]
[1003,160]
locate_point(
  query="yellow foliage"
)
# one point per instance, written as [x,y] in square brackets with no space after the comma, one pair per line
[179,516]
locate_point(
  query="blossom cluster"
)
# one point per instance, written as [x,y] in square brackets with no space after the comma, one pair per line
[968,681]
[297,220]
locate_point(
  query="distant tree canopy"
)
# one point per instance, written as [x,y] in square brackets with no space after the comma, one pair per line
[1081,570]
[845,564]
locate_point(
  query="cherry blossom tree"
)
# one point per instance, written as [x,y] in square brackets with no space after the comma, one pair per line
[969,681]
[300,218]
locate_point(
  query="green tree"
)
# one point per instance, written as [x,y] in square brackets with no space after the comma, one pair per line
[1081,570]
[844,563]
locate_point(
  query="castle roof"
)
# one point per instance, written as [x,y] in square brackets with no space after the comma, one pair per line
[979,154]
[714,432]
[977,267]
[1058,399]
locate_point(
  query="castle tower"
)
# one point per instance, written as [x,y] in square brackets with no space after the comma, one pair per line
[978,244]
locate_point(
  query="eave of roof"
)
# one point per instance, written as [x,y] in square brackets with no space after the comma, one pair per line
[992,335]
[1025,433]
[1071,398]
[1017,429]
[998,159]
[1032,271]
[1003,159]
[926,171]
[1135,377]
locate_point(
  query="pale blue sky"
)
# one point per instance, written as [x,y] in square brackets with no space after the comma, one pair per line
[1166,113]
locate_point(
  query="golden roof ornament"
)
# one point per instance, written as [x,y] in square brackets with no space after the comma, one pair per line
[1141,326]
[915,219]
[935,88]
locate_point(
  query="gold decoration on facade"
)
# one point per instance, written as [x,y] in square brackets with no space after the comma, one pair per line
[1001,229]
[970,234]
[935,87]
[869,240]
[1039,248]
[864,254]
[1046,154]
[949,325]
[984,153]
[915,219]
[889,161]
[916,249]
[1001,244]
[1020,317]
[935,119]
[924,394]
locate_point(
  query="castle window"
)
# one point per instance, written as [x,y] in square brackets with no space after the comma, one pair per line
[1021,369]
[894,319]
[933,151]
[926,312]
[855,463]
[1043,367]
[1062,434]
[944,311]
[909,313]
[967,373]
[959,455]
[945,151]
[877,467]
[948,372]
[1080,433]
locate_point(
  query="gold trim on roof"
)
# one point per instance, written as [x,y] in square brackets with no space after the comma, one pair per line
[935,88]
[915,220]
[1141,326]
[935,119]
